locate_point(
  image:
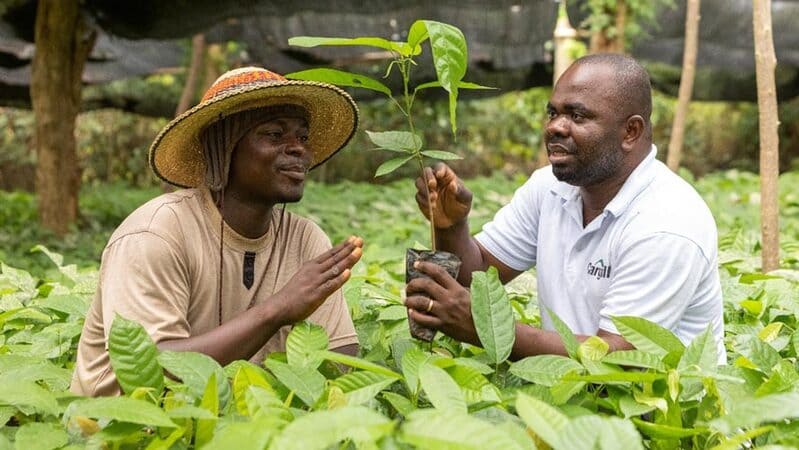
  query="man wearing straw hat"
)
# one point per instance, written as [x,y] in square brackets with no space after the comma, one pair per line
[217,268]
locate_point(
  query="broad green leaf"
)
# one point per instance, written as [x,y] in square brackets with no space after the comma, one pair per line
[40,436]
[56,258]
[209,402]
[544,369]
[434,429]
[439,154]
[166,443]
[756,411]
[412,360]
[743,440]
[393,312]
[441,389]
[308,384]
[265,403]
[134,357]
[783,378]
[391,165]
[35,369]
[69,304]
[399,141]
[770,332]
[621,377]
[566,335]
[592,349]
[758,352]
[189,412]
[658,431]
[472,383]
[493,315]
[359,363]
[417,34]
[461,85]
[304,343]
[631,408]
[648,336]
[340,78]
[29,398]
[542,418]
[450,58]
[635,358]
[322,429]
[194,369]
[361,386]
[18,278]
[122,409]
[242,380]
[253,435]
[312,41]
[599,433]
[701,353]
[400,403]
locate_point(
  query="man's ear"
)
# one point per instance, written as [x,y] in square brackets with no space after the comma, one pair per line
[633,132]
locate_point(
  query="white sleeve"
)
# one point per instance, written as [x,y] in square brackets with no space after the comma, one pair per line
[512,235]
[656,278]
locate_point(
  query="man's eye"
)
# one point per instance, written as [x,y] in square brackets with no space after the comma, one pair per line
[577,116]
[303,139]
[551,114]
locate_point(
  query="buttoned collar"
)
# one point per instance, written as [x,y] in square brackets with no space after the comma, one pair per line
[638,180]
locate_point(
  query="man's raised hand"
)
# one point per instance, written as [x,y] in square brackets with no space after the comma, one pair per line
[450,199]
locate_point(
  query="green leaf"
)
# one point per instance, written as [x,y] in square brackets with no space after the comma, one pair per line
[391,165]
[635,358]
[756,411]
[40,436]
[121,409]
[308,384]
[209,402]
[134,357]
[441,389]
[474,386]
[244,378]
[304,343]
[648,336]
[592,349]
[461,85]
[412,360]
[658,431]
[599,433]
[450,58]
[621,377]
[265,403]
[542,418]
[493,315]
[399,141]
[544,369]
[340,78]
[361,386]
[566,335]
[439,154]
[189,412]
[253,435]
[760,353]
[702,353]
[312,41]
[322,429]
[444,430]
[400,403]
[194,369]
[417,34]
[29,398]
[359,363]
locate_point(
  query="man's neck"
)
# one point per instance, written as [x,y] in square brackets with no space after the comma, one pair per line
[247,218]
[597,196]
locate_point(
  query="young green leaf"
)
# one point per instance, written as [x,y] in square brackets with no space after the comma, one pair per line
[635,358]
[391,165]
[592,349]
[253,435]
[450,59]
[304,343]
[701,353]
[242,380]
[312,41]
[322,429]
[121,409]
[439,154]
[210,402]
[194,369]
[361,386]
[493,315]
[340,78]
[648,336]
[756,411]
[359,363]
[441,389]
[262,402]
[461,85]
[134,357]
[544,369]
[758,352]
[566,335]
[29,398]
[542,418]
[436,429]
[659,431]
[308,384]
[398,141]
[400,403]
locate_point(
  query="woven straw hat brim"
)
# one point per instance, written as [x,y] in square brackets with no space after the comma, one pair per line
[176,155]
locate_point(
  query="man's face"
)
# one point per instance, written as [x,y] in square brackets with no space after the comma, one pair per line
[270,162]
[584,131]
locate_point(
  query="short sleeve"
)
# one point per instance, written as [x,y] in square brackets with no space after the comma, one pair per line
[333,314]
[656,278]
[512,235]
[144,279]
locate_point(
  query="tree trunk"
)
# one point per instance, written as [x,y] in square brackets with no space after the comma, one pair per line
[686,84]
[765,62]
[193,75]
[603,41]
[63,41]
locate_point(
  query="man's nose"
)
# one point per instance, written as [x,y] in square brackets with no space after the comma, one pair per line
[557,126]
[296,146]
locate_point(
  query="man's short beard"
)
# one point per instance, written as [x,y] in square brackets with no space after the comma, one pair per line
[592,172]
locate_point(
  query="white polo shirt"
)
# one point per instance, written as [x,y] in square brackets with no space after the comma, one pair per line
[652,252]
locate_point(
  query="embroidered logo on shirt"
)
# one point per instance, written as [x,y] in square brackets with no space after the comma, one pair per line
[248,269]
[599,269]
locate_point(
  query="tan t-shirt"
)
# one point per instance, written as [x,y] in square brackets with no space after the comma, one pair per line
[161,269]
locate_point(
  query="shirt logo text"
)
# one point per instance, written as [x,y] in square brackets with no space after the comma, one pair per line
[599,269]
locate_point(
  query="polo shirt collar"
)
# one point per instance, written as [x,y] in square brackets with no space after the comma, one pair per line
[638,180]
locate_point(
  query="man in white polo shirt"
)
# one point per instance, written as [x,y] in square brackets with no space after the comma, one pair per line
[609,228]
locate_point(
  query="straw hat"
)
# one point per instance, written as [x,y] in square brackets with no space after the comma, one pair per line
[176,155]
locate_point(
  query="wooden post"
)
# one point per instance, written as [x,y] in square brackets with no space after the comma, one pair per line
[765,63]
[193,74]
[686,84]
[63,42]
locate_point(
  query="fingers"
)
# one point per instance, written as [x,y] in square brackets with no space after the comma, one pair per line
[426,320]
[427,287]
[341,252]
[437,273]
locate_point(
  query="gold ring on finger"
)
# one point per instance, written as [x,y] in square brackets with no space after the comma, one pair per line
[429,306]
